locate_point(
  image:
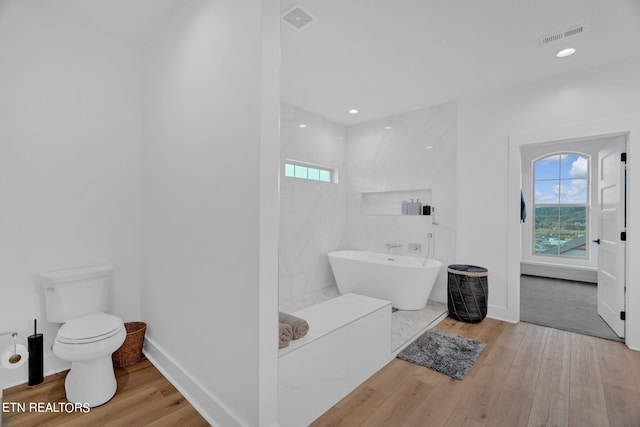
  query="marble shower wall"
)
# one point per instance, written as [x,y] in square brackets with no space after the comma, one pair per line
[312,214]
[400,159]
[317,217]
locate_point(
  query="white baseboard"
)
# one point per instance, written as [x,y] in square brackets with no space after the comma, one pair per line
[502,319]
[52,365]
[500,313]
[202,400]
[578,274]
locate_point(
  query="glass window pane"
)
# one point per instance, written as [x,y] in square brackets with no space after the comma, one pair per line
[546,230]
[573,234]
[574,166]
[573,218]
[573,191]
[547,191]
[546,218]
[546,242]
[572,243]
[300,171]
[314,174]
[547,168]
[561,230]
[288,169]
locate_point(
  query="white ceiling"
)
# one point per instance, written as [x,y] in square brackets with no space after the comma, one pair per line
[385,57]
[131,20]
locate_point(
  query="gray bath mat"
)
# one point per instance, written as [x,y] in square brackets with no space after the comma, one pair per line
[446,353]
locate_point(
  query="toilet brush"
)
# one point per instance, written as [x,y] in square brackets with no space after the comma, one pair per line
[36,356]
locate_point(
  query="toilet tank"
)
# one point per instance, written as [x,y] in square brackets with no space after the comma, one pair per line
[76,292]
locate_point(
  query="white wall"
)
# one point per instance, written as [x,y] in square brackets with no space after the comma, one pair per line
[556,106]
[203,206]
[269,214]
[399,159]
[312,213]
[70,132]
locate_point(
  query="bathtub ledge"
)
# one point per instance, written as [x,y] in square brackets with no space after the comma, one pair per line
[328,316]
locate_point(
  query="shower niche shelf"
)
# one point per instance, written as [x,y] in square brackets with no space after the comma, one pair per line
[389,202]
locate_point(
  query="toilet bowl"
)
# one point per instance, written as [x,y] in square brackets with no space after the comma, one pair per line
[88,342]
[77,298]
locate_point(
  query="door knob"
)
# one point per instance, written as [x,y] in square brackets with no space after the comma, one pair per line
[596,241]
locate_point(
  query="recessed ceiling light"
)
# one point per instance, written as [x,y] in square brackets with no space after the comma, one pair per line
[353,111]
[302,126]
[566,52]
[429,147]
[387,127]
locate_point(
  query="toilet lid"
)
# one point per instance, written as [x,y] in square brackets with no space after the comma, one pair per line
[94,327]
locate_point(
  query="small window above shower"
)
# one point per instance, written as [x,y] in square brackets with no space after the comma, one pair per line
[310,171]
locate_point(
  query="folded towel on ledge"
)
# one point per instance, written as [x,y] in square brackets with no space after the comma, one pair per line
[285,335]
[299,326]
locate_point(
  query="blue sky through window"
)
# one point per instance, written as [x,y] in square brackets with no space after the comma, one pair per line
[289,170]
[547,168]
[300,171]
[561,179]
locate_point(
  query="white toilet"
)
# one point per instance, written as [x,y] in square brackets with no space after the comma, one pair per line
[78,298]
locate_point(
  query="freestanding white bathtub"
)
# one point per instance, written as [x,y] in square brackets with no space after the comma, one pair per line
[403,280]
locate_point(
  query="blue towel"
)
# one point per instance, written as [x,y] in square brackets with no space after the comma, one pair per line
[523,208]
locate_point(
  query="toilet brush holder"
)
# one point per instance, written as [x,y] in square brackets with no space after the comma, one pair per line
[35,345]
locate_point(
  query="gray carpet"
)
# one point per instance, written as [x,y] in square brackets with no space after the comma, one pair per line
[563,304]
[443,352]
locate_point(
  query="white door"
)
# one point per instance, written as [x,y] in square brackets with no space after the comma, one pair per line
[611,248]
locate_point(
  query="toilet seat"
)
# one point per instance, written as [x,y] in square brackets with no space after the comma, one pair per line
[88,329]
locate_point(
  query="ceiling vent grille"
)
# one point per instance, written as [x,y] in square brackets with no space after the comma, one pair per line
[298,18]
[563,34]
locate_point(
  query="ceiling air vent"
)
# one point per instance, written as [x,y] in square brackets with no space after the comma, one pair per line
[563,34]
[298,18]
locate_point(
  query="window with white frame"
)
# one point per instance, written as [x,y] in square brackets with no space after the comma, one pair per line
[309,171]
[561,205]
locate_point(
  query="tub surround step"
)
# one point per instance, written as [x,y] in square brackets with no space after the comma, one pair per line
[298,302]
[349,340]
[328,316]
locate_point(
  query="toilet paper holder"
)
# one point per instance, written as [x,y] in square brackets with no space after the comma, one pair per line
[15,358]
[15,355]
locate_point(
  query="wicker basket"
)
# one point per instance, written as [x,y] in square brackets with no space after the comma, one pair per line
[468,290]
[130,352]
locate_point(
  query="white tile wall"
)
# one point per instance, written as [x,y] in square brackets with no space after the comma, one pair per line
[312,213]
[399,159]
[316,217]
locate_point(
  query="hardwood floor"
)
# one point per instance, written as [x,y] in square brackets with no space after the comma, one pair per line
[144,398]
[527,375]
